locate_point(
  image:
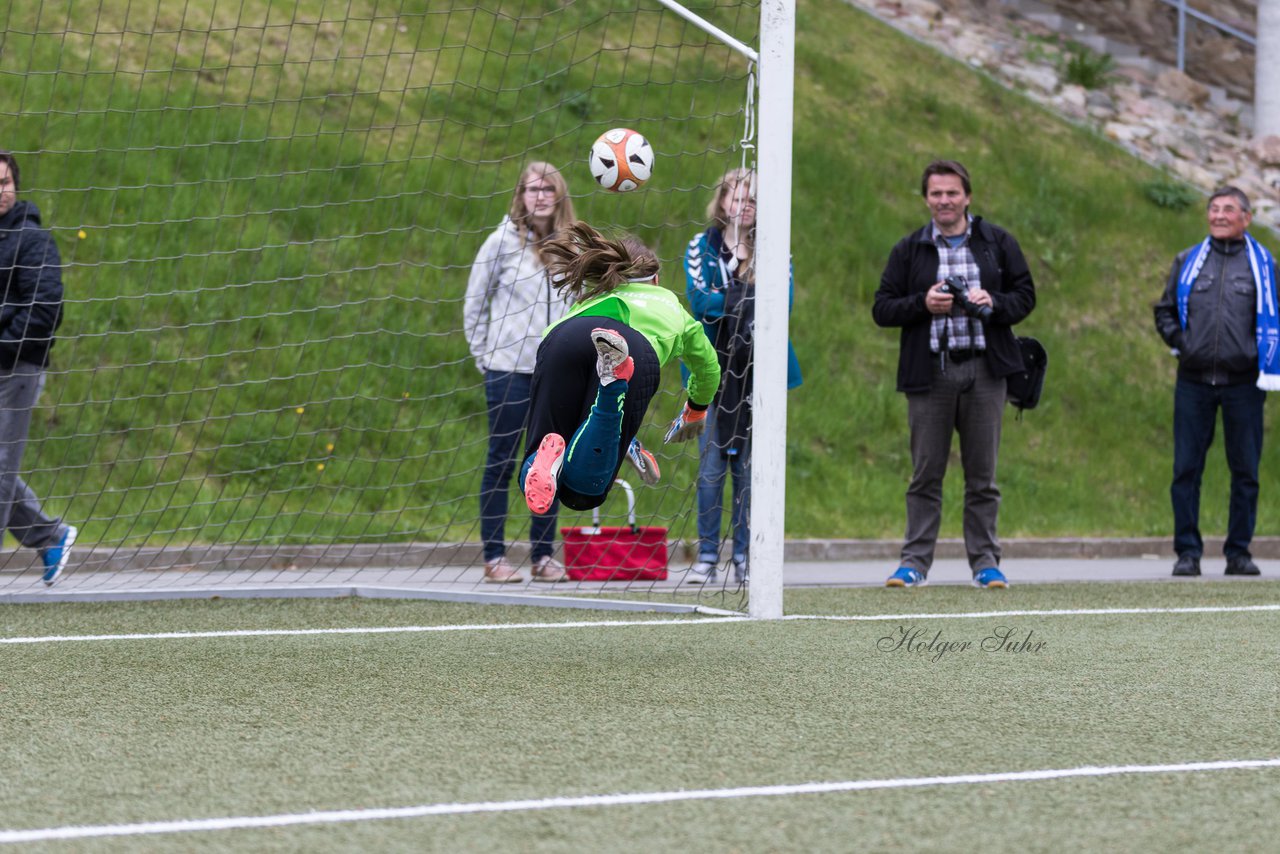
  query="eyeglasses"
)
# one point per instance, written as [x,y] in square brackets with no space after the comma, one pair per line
[540,191]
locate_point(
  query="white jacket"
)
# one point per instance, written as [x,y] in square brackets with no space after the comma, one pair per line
[509,303]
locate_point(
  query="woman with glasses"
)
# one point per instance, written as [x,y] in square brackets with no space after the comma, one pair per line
[509,302]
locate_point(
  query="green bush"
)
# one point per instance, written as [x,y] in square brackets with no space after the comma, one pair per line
[1084,67]
[1168,193]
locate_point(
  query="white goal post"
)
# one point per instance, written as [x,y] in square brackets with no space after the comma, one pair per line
[769,463]
[776,60]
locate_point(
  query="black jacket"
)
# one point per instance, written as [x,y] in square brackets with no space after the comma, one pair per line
[913,269]
[1220,344]
[735,343]
[31,276]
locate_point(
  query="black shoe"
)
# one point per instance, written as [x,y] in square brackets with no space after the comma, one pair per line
[1242,565]
[1187,565]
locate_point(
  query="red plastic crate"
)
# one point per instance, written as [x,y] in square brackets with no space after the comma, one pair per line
[615,553]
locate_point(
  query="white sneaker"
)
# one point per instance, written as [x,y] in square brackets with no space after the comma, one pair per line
[702,572]
[613,357]
[499,571]
[549,569]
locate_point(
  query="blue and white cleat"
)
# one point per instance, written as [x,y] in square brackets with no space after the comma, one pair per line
[906,577]
[644,462]
[55,557]
[990,579]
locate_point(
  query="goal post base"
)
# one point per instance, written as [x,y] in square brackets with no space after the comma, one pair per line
[338,591]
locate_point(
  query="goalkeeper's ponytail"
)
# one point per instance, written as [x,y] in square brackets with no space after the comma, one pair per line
[584,263]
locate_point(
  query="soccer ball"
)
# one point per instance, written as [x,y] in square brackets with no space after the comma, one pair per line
[621,160]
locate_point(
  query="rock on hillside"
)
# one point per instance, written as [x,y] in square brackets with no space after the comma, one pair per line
[1211,56]
[1199,134]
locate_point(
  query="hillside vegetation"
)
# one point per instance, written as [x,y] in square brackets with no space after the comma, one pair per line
[279,204]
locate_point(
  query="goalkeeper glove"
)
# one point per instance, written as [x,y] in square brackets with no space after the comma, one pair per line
[689,424]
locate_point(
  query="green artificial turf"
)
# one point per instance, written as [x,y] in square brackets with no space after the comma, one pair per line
[143,730]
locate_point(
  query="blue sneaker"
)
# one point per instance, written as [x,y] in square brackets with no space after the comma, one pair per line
[990,579]
[55,556]
[907,577]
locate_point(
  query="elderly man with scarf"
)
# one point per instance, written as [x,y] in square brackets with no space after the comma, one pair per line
[1218,313]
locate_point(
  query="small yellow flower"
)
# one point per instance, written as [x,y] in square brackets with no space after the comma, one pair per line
[329,447]
[300,410]
[405,395]
[319,466]
[80,234]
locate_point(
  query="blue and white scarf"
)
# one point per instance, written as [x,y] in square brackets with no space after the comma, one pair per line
[1268,318]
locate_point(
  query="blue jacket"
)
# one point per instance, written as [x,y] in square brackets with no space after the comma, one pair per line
[706,282]
[31,283]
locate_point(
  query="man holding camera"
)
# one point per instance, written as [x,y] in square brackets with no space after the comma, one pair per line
[955,288]
[1219,314]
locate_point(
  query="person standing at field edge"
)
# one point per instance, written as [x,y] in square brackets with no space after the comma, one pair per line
[1219,315]
[31,273]
[509,301]
[720,284]
[953,365]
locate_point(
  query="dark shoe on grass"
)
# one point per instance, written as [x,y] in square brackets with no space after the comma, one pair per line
[1187,565]
[1242,565]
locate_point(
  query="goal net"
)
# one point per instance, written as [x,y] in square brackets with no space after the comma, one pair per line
[268,214]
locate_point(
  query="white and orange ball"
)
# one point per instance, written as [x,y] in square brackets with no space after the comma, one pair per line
[621,160]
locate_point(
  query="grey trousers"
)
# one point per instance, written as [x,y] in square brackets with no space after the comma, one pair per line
[19,507]
[966,399]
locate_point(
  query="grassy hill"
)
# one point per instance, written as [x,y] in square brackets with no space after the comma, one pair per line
[279,207]
[1096,458]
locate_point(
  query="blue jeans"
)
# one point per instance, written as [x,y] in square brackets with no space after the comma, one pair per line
[507,397]
[713,466]
[1195,412]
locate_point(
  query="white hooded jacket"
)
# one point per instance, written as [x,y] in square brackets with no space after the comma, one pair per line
[509,303]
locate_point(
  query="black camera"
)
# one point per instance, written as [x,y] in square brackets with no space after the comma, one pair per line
[955,285]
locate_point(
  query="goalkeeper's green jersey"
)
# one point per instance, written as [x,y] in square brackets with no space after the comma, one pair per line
[656,313]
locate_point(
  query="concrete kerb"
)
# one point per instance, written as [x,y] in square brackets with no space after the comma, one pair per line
[1019,548]
[423,555]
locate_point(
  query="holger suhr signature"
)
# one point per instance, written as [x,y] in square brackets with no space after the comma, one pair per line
[931,644]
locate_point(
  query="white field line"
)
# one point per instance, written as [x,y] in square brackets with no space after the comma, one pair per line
[366,630]
[599,624]
[627,799]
